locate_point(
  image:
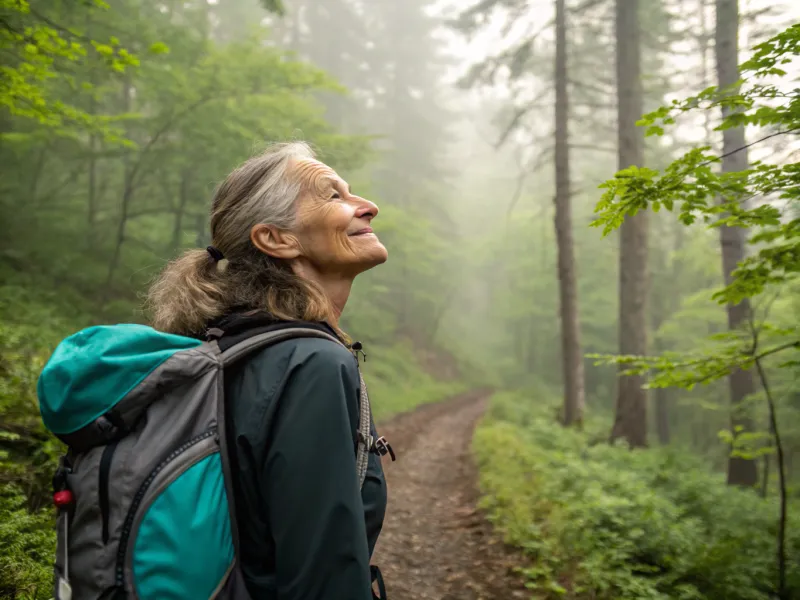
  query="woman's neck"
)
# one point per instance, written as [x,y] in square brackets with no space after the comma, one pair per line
[335,287]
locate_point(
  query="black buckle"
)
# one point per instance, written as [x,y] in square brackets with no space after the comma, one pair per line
[382,448]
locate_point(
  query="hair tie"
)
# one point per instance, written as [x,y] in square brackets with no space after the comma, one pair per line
[215,254]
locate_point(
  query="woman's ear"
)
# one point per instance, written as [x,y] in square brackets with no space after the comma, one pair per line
[275,242]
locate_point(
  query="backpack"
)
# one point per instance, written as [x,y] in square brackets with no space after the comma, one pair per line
[143,493]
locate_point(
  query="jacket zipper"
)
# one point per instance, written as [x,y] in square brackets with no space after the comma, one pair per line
[105,471]
[140,493]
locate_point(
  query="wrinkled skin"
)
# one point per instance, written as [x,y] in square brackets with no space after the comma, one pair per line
[334,231]
[332,241]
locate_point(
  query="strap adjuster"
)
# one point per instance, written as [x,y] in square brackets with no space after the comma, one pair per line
[382,448]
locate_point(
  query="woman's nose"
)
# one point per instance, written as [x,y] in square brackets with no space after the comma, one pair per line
[366,209]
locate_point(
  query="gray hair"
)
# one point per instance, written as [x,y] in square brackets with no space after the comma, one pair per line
[193,290]
[261,190]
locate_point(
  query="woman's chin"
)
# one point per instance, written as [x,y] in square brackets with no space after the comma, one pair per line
[376,254]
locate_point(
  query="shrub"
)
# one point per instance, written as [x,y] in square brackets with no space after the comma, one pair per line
[600,521]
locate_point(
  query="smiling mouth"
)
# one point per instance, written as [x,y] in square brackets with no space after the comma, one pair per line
[365,231]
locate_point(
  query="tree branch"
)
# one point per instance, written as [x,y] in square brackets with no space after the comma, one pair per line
[746,146]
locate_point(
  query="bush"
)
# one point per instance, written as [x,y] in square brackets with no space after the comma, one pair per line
[603,522]
[33,323]
[28,543]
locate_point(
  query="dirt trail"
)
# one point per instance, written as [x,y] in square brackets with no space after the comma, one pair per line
[434,544]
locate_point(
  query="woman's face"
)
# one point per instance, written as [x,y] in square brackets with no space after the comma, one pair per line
[334,233]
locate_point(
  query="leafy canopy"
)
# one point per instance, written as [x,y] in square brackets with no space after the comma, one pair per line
[763,198]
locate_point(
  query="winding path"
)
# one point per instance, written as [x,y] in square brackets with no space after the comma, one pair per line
[434,544]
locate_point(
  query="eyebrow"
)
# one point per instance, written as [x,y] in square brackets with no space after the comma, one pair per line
[337,182]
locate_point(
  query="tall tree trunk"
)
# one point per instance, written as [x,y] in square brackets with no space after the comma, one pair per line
[572,359]
[631,412]
[741,471]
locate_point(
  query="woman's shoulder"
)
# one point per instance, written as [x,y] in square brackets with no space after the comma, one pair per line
[316,342]
[296,372]
[305,348]
[318,351]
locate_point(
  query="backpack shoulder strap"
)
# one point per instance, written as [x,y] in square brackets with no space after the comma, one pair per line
[263,340]
[365,440]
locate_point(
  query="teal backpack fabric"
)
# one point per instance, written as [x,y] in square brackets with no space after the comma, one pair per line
[144,490]
[94,369]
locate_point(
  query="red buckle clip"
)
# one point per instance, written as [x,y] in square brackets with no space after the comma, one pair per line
[62,498]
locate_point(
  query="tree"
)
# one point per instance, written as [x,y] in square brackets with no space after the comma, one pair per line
[720,200]
[741,470]
[570,325]
[631,411]
[39,49]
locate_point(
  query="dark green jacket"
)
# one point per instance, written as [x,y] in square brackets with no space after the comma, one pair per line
[306,530]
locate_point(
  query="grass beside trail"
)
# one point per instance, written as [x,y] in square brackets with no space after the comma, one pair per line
[602,522]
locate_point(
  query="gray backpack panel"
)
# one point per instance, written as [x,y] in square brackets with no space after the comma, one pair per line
[150,516]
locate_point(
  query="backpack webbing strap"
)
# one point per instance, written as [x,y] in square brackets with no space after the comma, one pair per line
[364,432]
[262,340]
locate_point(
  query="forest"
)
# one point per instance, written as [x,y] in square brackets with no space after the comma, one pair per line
[591,208]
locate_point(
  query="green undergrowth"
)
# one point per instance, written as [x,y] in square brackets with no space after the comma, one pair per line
[31,326]
[398,383]
[602,522]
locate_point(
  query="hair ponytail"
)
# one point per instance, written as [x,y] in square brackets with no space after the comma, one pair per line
[194,289]
[187,294]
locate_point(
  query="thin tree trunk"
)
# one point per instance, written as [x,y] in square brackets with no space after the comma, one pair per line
[783,591]
[440,312]
[662,306]
[572,359]
[202,235]
[741,471]
[36,174]
[662,415]
[532,355]
[127,195]
[631,411]
[295,42]
[91,209]
[183,200]
[91,216]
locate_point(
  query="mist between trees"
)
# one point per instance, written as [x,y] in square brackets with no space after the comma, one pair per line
[656,309]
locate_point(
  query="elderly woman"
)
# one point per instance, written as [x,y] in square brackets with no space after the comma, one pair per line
[288,238]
